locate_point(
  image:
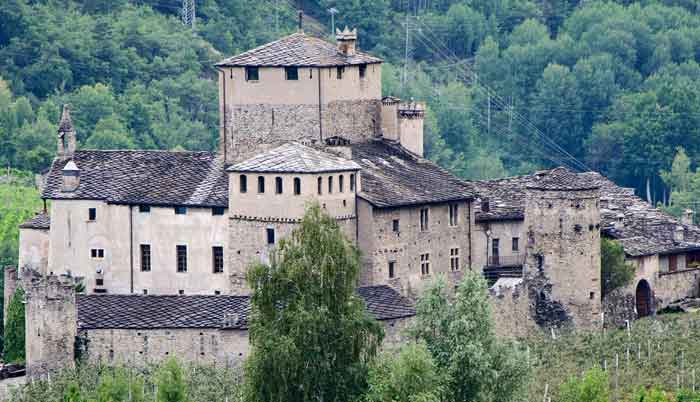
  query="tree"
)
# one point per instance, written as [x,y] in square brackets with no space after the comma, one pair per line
[615,271]
[171,383]
[461,339]
[14,350]
[311,337]
[408,374]
[593,387]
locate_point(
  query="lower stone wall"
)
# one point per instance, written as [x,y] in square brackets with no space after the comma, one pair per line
[672,286]
[396,331]
[619,308]
[510,310]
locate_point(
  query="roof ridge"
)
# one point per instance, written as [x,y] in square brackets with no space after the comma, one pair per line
[147,150]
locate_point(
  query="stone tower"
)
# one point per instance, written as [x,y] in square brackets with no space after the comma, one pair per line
[51,323]
[562,221]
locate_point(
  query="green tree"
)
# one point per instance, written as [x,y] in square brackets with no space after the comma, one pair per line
[311,337]
[170,382]
[72,394]
[14,350]
[593,387]
[461,339]
[616,272]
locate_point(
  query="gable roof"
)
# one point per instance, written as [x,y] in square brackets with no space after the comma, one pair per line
[41,220]
[144,177]
[294,157]
[198,311]
[299,50]
[392,177]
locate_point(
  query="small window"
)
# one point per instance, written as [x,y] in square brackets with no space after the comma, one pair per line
[395,226]
[243,180]
[145,291]
[218,210]
[339,72]
[144,209]
[180,211]
[330,185]
[320,186]
[217,293]
[454,259]
[392,269]
[217,254]
[261,185]
[270,235]
[363,71]
[425,264]
[454,214]
[591,295]
[97,253]
[292,73]
[145,257]
[181,258]
[99,282]
[516,244]
[424,219]
[341,183]
[180,292]
[252,74]
[297,186]
[352,183]
[92,214]
[278,185]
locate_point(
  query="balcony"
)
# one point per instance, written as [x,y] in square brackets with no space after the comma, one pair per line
[503,266]
[506,260]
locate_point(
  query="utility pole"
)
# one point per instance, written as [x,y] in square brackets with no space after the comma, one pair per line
[333,11]
[404,77]
[189,14]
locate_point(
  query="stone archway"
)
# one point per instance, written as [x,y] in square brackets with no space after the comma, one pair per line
[643,299]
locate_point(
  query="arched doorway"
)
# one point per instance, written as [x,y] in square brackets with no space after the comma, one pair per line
[643,299]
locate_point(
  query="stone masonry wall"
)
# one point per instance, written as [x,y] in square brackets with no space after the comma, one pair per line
[11,276]
[674,286]
[511,311]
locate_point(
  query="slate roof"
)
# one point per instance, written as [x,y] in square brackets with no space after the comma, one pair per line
[144,177]
[225,312]
[293,157]
[393,177]
[41,220]
[299,50]
[560,179]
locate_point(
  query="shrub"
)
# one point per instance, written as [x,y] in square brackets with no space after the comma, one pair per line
[14,330]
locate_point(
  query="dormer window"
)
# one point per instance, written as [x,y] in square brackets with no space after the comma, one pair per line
[291,73]
[252,74]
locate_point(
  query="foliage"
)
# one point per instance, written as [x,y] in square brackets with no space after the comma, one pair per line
[593,387]
[13,348]
[311,337]
[616,272]
[459,335]
[19,201]
[170,382]
[408,374]
[684,184]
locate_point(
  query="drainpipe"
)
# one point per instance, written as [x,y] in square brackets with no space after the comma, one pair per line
[320,112]
[131,248]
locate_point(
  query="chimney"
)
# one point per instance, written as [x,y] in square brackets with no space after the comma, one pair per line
[679,234]
[347,41]
[70,177]
[410,119]
[66,135]
[687,218]
[390,118]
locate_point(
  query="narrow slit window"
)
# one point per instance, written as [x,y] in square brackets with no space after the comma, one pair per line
[145,257]
[243,183]
[320,186]
[341,183]
[270,236]
[363,71]
[352,183]
[516,244]
[392,269]
[395,226]
[454,214]
[92,214]
[339,72]
[330,184]
[424,219]
[217,255]
[181,258]
[297,186]
[261,185]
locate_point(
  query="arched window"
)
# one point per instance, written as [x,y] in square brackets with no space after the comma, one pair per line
[330,184]
[244,183]
[352,183]
[341,183]
[278,185]
[297,186]
[261,184]
[320,185]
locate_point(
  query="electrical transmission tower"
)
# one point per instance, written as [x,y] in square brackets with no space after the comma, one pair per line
[189,14]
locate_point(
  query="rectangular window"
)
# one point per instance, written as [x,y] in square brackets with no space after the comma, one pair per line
[516,244]
[330,185]
[180,210]
[146,257]
[92,214]
[217,256]
[144,208]
[392,269]
[454,214]
[297,186]
[352,183]
[425,264]
[181,258]
[339,72]
[278,185]
[495,251]
[270,236]
[251,74]
[99,282]
[424,219]
[218,210]
[320,185]
[261,184]
[243,183]
[454,259]
[341,183]
[363,71]
[97,253]
[395,226]
[292,73]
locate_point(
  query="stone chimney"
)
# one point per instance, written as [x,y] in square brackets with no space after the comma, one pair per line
[70,175]
[347,41]
[66,135]
[687,218]
[403,123]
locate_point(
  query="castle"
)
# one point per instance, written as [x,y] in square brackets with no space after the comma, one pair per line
[161,240]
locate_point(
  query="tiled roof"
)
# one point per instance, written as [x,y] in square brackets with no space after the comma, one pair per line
[560,179]
[293,157]
[226,312]
[145,177]
[41,220]
[299,50]
[392,176]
